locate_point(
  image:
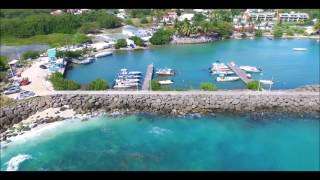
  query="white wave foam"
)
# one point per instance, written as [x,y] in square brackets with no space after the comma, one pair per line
[14,163]
[158,131]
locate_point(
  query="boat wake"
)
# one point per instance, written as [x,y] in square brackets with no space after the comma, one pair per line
[14,163]
[158,131]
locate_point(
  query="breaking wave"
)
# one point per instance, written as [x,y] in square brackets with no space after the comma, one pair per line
[14,163]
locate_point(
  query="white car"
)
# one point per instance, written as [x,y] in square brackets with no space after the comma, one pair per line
[25,94]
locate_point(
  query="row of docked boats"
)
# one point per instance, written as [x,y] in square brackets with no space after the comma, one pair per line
[90,59]
[127,79]
[165,72]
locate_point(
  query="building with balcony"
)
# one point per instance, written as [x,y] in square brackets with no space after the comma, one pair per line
[293,17]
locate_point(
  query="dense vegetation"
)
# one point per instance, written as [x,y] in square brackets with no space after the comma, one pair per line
[71,54]
[3,63]
[34,25]
[279,30]
[121,43]
[54,40]
[59,83]
[258,33]
[155,85]
[207,86]
[3,68]
[162,36]
[254,85]
[139,13]
[98,84]
[137,41]
[30,55]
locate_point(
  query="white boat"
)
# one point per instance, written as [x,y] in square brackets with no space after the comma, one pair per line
[102,54]
[134,73]
[249,76]
[268,82]
[127,80]
[129,76]
[166,82]
[120,86]
[227,78]
[166,71]
[223,72]
[299,49]
[249,68]
[85,61]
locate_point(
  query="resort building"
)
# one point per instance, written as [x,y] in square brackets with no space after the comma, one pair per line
[133,31]
[170,18]
[293,17]
[186,16]
[259,15]
[56,12]
[121,14]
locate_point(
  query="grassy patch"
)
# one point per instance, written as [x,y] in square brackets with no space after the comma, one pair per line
[54,40]
[5,101]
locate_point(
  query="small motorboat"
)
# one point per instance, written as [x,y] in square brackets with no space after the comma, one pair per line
[127,80]
[268,82]
[299,49]
[250,69]
[227,78]
[270,38]
[129,76]
[223,72]
[120,86]
[166,82]
[103,54]
[134,73]
[249,76]
[165,72]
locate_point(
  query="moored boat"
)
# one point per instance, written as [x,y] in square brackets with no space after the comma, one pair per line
[166,72]
[268,82]
[250,69]
[166,82]
[227,78]
[102,54]
[299,49]
[223,72]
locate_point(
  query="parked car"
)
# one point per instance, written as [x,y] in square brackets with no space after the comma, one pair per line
[24,82]
[12,90]
[24,94]
[43,67]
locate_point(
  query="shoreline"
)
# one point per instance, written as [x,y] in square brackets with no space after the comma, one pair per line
[41,127]
[294,37]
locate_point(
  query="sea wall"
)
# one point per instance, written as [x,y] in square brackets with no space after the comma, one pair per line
[175,103]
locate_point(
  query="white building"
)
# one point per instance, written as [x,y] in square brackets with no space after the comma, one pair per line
[101,45]
[170,17]
[122,14]
[133,31]
[185,16]
[293,17]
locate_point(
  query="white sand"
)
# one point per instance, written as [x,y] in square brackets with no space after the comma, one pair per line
[39,85]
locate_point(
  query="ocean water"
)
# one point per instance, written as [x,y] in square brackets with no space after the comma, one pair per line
[151,142]
[287,68]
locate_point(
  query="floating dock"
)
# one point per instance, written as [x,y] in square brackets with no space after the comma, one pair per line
[241,73]
[147,78]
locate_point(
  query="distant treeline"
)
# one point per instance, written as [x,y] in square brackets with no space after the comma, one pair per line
[41,22]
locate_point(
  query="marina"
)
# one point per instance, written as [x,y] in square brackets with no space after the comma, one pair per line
[242,75]
[191,62]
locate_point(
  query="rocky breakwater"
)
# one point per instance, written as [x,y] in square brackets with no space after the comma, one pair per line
[174,103]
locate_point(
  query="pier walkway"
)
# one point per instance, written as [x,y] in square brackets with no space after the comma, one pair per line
[147,78]
[241,73]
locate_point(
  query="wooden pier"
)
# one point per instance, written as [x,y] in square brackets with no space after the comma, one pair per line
[147,78]
[241,73]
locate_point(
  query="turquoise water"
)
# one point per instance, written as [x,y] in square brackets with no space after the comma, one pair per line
[150,142]
[288,68]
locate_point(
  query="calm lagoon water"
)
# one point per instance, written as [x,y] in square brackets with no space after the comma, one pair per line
[150,142]
[288,68]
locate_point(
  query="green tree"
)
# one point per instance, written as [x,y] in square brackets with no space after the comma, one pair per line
[90,27]
[254,85]
[59,83]
[207,86]
[30,55]
[144,20]
[3,63]
[137,41]
[155,85]
[197,18]
[162,36]
[258,33]
[98,84]
[121,43]
[317,25]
